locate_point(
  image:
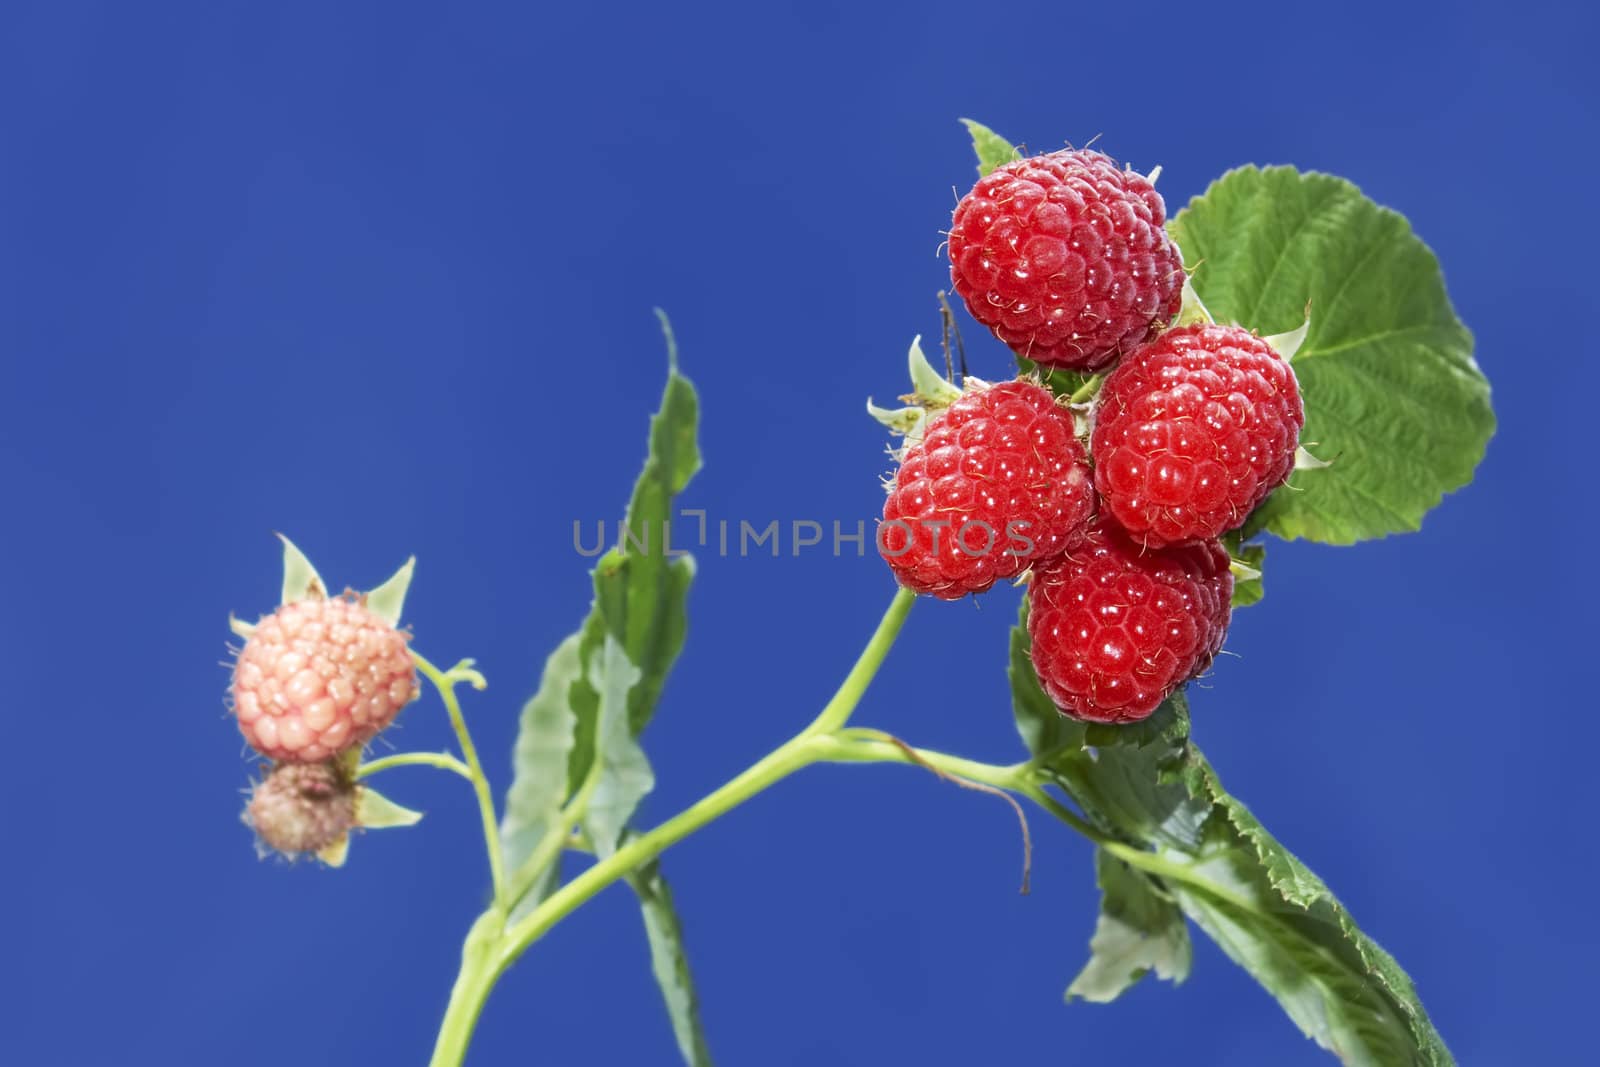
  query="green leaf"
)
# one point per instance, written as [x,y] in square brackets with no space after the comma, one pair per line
[1130,784]
[992,149]
[1393,397]
[624,650]
[641,587]
[1140,930]
[1277,920]
[1154,796]
[300,578]
[670,963]
[623,775]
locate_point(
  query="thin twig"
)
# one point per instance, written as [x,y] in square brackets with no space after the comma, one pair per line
[954,328]
[978,787]
[944,340]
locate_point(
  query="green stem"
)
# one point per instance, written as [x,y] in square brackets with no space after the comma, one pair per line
[874,746]
[479,970]
[445,682]
[1145,860]
[836,712]
[806,747]
[777,765]
[442,760]
[1036,793]
[857,745]
[1087,390]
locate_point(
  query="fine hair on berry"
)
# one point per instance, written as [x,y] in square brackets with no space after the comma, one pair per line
[997,482]
[1065,257]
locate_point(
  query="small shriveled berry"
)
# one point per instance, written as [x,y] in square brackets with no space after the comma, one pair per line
[1193,430]
[1117,627]
[997,483]
[302,807]
[1065,258]
[318,677]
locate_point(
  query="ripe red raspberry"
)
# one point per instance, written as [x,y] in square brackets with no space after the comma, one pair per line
[1193,430]
[1116,627]
[318,677]
[1064,257]
[302,807]
[998,482]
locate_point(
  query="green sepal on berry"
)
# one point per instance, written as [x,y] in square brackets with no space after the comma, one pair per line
[991,149]
[1288,344]
[1192,309]
[302,582]
[930,392]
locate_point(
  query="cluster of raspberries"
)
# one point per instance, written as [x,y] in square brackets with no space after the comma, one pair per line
[316,681]
[1065,258]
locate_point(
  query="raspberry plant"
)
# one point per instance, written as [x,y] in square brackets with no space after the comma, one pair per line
[1136,550]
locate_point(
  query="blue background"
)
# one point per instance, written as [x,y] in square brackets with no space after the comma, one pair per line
[380,276]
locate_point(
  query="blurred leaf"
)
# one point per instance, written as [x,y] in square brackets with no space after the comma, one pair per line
[544,741]
[670,963]
[1150,787]
[1140,930]
[624,776]
[1393,397]
[992,149]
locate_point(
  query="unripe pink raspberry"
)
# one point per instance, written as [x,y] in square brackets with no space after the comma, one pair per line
[302,807]
[318,677]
